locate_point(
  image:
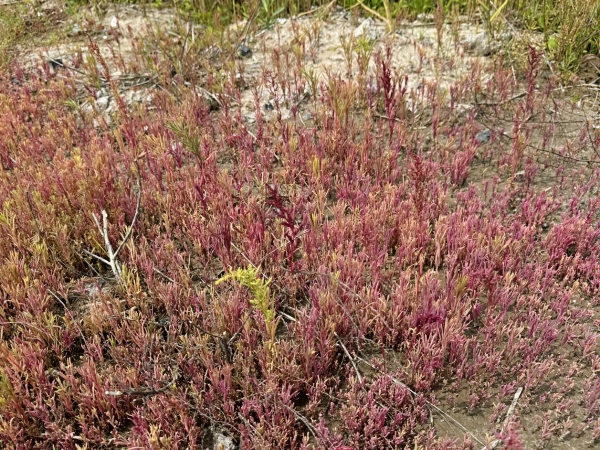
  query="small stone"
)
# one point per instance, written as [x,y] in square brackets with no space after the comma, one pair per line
[363,28]
[102,102]
[75,30]
[481,45]
[368,31]
[244,51]
[483,137]
[268,106]
[222,442]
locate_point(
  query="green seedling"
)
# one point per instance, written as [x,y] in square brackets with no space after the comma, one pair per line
[269,14]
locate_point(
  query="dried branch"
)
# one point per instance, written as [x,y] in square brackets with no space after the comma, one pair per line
[103,230]
[168,278]
[56,296]
[303,419]
[431,405]
[143,392]
[341,343]
[509,413]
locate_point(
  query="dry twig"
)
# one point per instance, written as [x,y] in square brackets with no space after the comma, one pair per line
[509,413]
[113,254]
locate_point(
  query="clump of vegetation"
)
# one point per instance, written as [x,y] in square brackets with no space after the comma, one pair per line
[427,240]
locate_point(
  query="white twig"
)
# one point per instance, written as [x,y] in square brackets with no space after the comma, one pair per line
[99,258]
[165,276]
[509,413]
[511,409]
[360,378]
[443,413]
[135,216]
[103,230]
[112,261]
[398,382]
[286,316]
[67,310]
[303,419]
[210,95]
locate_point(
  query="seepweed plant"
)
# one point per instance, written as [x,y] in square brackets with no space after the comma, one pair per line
[390,236]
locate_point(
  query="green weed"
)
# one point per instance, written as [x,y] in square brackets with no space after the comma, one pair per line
[260,289]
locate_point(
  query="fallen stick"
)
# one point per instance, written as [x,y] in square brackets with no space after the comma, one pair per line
[509,413]
[103,230]
[349,357]
[440,411]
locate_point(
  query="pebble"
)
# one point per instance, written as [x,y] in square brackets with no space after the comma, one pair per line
[483,137]
[222,442]
[75,30]
[481,44]
[244,51]
[102,102]
[363,27]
